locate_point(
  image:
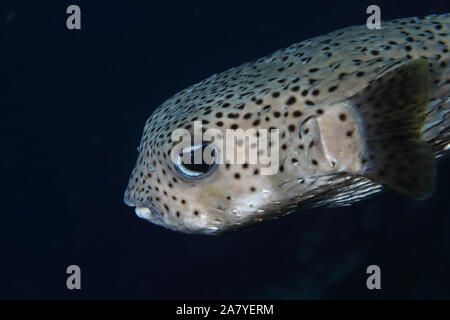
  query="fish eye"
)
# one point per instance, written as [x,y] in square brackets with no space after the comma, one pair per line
[195,162]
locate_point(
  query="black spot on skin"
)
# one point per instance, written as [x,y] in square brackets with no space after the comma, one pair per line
[342,117]
[297,114]
[349,133]
[291,128]
[245,165]
[314,162]
[237,176]
[291,101]
[275,94]
[332,89]
[360,74]
[306,60]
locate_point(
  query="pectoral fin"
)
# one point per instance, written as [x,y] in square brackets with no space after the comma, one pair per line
[392,113]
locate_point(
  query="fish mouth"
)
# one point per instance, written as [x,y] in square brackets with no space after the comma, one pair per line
[149,213]
[143,212]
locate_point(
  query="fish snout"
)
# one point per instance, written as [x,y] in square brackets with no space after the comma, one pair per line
[143,209]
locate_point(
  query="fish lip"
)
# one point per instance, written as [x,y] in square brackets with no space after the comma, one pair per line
[143,212]
[148,212]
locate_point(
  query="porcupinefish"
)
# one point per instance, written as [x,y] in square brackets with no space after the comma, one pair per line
[357,111]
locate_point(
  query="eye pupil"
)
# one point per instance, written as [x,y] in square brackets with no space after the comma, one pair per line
[194,162]
[192,165]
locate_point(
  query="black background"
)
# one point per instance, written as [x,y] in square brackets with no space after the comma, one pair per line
[73,106]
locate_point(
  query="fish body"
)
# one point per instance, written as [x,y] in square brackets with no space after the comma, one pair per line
[357,110]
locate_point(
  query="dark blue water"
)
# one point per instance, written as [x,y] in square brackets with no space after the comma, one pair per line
[73,106]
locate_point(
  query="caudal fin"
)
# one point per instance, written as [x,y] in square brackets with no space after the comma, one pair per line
[393,111]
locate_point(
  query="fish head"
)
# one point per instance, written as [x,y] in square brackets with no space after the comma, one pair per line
[213,194]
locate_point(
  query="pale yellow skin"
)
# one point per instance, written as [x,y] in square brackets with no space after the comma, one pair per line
[327,170]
